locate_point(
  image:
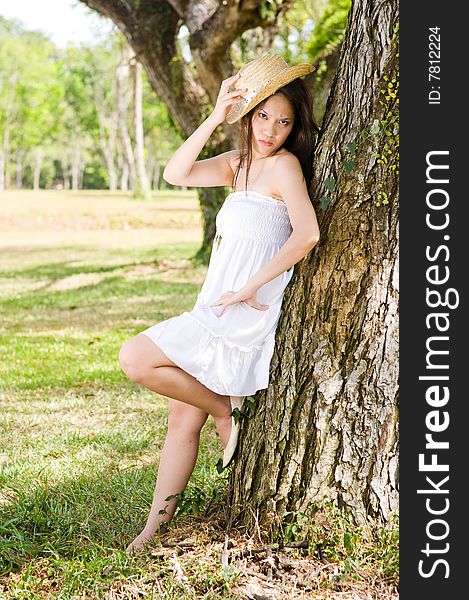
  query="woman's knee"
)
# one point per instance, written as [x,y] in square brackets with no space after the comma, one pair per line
[185,416]
[131,361]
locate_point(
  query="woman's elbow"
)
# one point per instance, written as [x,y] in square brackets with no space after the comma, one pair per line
[175,178]
[169,178]
[312,241]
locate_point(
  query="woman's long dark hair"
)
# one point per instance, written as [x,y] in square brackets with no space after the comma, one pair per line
[302,138]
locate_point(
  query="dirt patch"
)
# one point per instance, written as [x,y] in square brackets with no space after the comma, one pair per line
[75,282]
[263,571]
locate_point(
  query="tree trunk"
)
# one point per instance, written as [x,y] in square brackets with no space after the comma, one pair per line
[156,176]
[37,172]
[124,185]
[141,173]
[122,77]
[326,428]
[76,168]
[107,135]
[154,167]
[81,175]
[65,169]
[19,170]
[38,158]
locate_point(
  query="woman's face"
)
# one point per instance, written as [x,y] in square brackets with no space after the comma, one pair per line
[272,122]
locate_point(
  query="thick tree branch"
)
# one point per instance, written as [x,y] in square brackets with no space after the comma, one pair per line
[179,6]
[212,37]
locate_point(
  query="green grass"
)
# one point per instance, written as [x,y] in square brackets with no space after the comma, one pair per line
[79,442]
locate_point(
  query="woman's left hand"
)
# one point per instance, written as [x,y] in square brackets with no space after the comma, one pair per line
[230,297]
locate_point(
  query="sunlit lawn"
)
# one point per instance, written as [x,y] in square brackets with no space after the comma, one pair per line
[80,274]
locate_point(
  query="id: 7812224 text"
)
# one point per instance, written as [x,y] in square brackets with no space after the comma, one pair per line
[434,69]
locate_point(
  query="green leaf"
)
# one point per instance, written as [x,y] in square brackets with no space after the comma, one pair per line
[348,165]
[237,415]
[325,202]
[330,184]
[268,9]
[348,541]
[172,496]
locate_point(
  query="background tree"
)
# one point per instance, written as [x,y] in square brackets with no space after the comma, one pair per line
[142,185]
[59,118]
[30,100]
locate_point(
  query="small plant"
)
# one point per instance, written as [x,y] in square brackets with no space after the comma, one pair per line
[296,526]
[202,491]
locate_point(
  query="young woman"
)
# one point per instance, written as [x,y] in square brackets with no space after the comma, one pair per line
[208,360]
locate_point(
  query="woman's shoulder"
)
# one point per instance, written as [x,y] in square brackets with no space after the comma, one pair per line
[281,167]
[286,159]
[287,165]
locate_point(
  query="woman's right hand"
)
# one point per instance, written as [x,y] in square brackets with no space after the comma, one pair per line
[226,98]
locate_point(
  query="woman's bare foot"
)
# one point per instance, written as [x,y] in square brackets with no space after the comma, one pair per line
[139,543]
[146,537]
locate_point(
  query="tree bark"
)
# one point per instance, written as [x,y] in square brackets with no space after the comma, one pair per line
[326,428]
[124,173]
[154,169]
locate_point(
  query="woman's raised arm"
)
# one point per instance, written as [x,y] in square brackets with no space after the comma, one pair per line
[182,169]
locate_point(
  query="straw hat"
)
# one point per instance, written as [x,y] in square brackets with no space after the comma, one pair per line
[263,77]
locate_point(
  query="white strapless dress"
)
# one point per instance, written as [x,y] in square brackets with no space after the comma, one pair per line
[231,354]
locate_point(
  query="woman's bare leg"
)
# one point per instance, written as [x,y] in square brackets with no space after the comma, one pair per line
[189,406]
[177,461]
[145,363]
